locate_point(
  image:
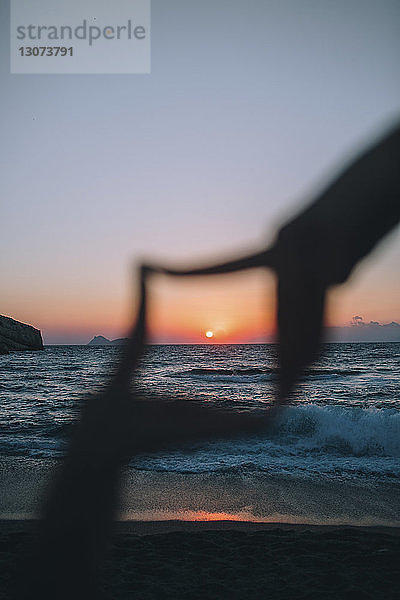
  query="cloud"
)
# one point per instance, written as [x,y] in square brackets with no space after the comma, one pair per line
[360,331]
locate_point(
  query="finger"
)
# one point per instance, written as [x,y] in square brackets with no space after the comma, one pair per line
[134,347]
[301,302]
[260,259]
[164,422]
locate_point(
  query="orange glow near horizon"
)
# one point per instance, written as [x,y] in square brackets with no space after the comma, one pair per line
[223,310]
[195,515]
[236,308]
[204,516]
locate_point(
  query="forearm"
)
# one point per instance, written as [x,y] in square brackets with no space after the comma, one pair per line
[350,216]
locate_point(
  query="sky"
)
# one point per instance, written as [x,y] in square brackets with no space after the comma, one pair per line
[250,108]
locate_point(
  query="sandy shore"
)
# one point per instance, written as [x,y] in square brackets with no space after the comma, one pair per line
[156,496]
[315,540]
[219,559]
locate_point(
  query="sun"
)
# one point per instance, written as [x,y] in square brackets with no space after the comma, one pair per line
[209,334]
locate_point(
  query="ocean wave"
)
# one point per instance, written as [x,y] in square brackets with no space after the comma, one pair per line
[225,371]
[24,431]
[245,371]
[339,430]
[299,430]
[311,439]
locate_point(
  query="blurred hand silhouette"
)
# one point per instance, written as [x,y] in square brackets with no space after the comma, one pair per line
[317,249]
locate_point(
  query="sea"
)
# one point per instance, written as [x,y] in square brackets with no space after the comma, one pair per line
[340,431]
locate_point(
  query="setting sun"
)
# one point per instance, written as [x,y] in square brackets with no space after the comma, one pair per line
[209,334]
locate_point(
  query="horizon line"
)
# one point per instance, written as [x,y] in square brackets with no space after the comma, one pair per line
[228,343]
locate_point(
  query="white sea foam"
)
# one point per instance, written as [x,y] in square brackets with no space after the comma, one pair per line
[343,430]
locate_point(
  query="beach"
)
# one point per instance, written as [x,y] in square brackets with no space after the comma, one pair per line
[225,559]
[239,496]
[208,536]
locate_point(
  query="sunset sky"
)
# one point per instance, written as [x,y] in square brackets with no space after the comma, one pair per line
[249,109]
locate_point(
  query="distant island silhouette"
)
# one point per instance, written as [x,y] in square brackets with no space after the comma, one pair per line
[100,340]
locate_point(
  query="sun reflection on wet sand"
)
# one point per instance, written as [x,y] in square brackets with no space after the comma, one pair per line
[203,515]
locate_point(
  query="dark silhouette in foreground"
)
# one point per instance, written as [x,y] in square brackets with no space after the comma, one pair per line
[317,249]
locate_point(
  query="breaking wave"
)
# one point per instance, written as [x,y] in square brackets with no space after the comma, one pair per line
[333,429]
[311,439]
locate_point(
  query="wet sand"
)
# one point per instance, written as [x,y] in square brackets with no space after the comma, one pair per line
[248,496]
